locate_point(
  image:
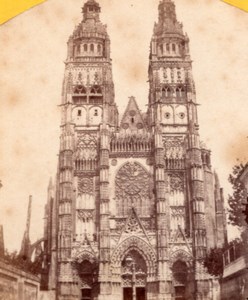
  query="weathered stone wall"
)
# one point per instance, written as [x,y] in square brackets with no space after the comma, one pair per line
[17,285]
[234,284]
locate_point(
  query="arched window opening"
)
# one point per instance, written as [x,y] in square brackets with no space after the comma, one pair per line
[85,47]
[161,49]
[92,47]
[208,161]
[180,278]
[79,113]
[96,95]
[96,90]
[99,48]
[87,272]
[132,120]
[168,47]
[180,92]
[79,89]
[78,48]
[180,273]
[174,48]
[166,92]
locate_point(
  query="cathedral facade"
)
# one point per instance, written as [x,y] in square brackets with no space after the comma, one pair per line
[136,205]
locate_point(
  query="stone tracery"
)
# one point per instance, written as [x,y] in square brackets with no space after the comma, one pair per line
[132,186]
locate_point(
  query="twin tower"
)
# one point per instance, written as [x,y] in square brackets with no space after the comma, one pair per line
[136,205]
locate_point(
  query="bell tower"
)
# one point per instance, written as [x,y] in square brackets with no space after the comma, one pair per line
[88,90]
[183,180]
[170,72]
[88,114]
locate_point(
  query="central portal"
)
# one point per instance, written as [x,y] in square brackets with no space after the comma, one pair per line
[134,273]
[140,293]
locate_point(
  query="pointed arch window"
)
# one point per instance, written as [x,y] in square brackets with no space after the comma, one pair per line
[167,47]
[166,91]
[96,89]
[180,92]
[96,96]
[92,47]
[79,89]
[85,47]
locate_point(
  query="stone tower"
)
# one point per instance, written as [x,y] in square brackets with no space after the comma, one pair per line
[136,205]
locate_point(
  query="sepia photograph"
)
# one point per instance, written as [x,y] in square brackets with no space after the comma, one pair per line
[123,143]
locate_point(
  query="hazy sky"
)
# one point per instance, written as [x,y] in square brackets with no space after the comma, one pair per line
[33,48]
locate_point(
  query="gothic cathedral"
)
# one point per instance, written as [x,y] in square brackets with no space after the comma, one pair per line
[136,205]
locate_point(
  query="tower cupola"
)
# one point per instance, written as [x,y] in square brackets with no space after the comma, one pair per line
[91,10]
[167,20]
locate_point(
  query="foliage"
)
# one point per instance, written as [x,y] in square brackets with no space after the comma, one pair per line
[237,199]
[214,261]
[23,263]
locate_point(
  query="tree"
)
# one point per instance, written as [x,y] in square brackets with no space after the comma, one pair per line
[16,260]
[214,262]
[237,199]
[214,259]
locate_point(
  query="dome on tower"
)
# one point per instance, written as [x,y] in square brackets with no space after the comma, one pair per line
[90,37]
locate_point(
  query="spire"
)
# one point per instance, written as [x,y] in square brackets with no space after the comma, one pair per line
[26,240]
[2,248]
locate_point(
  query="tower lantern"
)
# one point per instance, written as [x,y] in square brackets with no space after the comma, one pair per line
[91,10]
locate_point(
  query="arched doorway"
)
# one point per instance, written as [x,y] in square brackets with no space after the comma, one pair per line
[180,278]
[87,274]
[134,276]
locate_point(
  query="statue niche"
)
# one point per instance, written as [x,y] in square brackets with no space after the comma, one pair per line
[132,189]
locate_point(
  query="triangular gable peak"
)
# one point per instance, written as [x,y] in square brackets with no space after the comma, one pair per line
[133,226]
[180,238]
[132,119]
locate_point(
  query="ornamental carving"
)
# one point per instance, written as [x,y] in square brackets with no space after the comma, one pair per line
[132,188]
[132,225]
[181,255]
[85,215]
[87,146]
[176,182]
[138,267]
[132,179]
[85,186]
[178,212]
[78,256]
[139,245]
[174,147]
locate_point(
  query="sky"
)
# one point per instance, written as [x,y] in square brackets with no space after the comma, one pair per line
[33,51]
